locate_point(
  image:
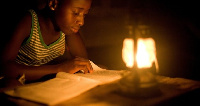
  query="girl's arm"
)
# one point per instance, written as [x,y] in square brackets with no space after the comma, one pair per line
[76,46]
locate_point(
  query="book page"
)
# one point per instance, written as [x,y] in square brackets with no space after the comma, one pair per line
[99,74]
[96,67]
[54,90]
[104,76]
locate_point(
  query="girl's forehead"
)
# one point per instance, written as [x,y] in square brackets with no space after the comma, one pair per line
[85,4]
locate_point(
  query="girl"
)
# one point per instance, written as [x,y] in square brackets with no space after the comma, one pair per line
[46,35]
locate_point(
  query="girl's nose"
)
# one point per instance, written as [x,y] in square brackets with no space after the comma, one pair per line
[80,21]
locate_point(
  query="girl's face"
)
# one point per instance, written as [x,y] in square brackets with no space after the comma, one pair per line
[70,14]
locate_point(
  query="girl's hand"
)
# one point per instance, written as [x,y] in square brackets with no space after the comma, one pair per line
[75,65]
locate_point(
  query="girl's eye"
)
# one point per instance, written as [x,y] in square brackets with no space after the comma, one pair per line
[76,14]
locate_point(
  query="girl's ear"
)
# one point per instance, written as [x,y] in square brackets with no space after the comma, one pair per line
[53,4]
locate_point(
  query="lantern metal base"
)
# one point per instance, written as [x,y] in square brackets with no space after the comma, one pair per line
[140,83]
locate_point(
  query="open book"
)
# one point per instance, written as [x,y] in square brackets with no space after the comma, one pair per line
[64,86]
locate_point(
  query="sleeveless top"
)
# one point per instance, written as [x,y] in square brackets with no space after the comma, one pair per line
[34,51]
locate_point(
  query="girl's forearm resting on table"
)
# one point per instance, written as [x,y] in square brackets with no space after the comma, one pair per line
[13,70]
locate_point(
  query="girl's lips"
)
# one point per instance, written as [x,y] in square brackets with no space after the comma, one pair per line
[74,30]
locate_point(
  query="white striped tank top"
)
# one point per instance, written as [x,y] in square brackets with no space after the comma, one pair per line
[34,52]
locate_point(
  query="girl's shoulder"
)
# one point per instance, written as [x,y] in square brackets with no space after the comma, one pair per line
[26,17]
[23,25]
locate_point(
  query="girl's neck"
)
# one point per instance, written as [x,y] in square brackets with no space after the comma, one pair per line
[48,15]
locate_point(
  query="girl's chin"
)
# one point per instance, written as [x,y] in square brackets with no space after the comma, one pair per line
[69,32]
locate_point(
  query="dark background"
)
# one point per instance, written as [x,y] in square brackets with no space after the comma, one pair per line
[174,26]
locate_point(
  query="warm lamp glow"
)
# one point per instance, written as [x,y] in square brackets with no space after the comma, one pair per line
[145,56]
[128,52]
[145,53]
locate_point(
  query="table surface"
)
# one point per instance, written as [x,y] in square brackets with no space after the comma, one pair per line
[170,91]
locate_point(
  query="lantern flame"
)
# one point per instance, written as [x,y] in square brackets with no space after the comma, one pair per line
[145,56]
